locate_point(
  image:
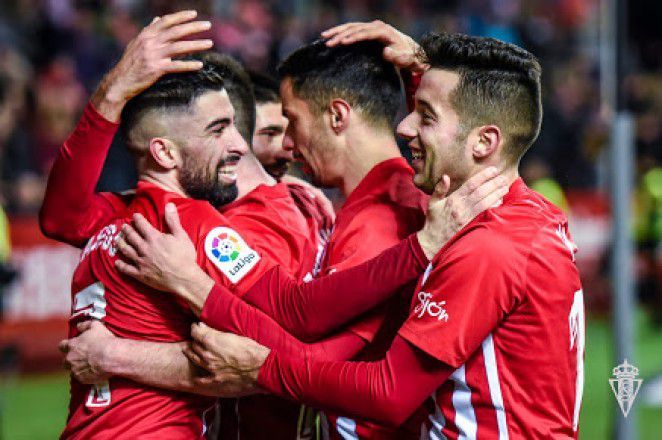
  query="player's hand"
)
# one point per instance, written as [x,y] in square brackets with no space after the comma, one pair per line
[85,354]
[448,213]
[233,362]
[150,56]
[164,261]
[317,193]
[399,49]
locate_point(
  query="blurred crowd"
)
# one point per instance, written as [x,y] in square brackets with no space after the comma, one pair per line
[54,52]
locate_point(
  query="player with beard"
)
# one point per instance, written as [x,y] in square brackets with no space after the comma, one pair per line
[182,116]
[179,116]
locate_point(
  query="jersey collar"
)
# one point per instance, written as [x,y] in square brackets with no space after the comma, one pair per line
[375,181]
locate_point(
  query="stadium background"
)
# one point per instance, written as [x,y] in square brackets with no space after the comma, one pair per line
[54,52]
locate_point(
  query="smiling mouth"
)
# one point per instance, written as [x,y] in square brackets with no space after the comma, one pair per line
[228,167]
[416,152]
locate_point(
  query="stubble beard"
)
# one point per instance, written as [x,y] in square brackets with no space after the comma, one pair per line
[200,184]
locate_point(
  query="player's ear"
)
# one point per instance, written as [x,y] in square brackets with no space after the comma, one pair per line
[165,153]
[339,114]
[486,140]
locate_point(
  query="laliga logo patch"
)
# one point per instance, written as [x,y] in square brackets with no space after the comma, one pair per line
[230,253]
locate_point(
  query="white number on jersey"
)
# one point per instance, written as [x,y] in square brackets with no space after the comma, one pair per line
[91,302]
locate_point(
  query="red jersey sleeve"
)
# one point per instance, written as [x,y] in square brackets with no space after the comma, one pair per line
[472,286]
[312,310]
[274,225]
[379,229]
[229,313]
[387,391]
[224,252]
[72,212]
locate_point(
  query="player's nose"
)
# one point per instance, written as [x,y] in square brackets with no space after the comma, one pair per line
[239,145]
[406,128]
[286,154]
[288,143]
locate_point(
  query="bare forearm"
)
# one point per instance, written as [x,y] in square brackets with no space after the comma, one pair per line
[107,99]
[194,288]
[161,365]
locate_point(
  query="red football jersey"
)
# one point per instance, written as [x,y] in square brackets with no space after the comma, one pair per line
[383,209]
[285,229]
[503,304]
[129,309]
[285,224]
[281,222]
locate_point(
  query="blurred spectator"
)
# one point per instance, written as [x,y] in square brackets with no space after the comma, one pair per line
[571,106]
[537,175]
[60,97]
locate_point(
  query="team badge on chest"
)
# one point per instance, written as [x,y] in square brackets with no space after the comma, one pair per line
[230,253]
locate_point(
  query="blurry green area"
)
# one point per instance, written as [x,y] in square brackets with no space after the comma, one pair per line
[33,407]
[36,407]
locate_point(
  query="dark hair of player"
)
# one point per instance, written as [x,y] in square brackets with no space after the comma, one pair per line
[240,90]
[265,88]
[499,84]
[172,92]
[356,73]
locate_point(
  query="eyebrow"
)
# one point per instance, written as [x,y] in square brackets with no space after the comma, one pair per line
[218,121]
[272,127]
[426,105]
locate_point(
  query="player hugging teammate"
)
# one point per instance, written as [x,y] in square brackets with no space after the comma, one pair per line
[443,303]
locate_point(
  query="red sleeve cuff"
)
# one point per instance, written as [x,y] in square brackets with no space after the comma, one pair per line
[97,119]
[268,373]
[212,310]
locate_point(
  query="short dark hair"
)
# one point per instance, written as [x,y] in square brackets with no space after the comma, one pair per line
[240,90]
[265,88]
[171,92]
[356,73]
[499,84]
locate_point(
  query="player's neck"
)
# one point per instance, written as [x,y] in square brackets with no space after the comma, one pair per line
[165,181]
[363,154]
[511,173]
[251,174]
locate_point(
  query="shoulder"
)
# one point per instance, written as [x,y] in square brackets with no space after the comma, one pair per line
[198,217]
[373,219]
[118,200]
[502,237]
[511,240]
